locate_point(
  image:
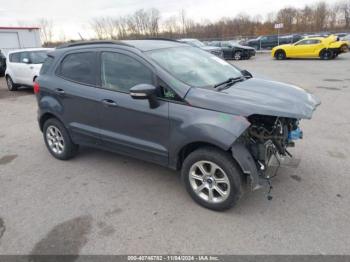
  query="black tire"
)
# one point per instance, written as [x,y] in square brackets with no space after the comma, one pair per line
[11,86]
[237,55]
[326,54]
[69,148]
[280,55]
[226,163]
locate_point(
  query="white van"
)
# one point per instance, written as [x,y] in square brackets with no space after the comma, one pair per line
[23,66]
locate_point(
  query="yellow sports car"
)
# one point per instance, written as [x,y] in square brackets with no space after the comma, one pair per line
[322,47]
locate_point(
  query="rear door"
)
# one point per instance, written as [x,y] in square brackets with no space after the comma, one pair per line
[25,69]
[127,125]
[15,67]
[74,86]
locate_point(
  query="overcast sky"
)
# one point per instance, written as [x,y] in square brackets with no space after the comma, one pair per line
[73,16]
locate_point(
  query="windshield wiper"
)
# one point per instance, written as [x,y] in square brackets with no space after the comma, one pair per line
[229,82]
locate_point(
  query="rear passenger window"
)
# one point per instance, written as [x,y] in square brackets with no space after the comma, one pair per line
[14,58]
[79,67]
[24,55]
[121,72]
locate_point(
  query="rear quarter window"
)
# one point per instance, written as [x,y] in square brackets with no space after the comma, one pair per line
[15,57]
[46,65]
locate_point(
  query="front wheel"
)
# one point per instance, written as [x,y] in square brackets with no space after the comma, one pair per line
[237,55]
[280,55]
[212,178]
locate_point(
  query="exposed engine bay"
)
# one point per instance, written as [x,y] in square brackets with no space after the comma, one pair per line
[269,135]
[268,138]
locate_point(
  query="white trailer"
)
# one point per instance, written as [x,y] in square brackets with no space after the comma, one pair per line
[12,38]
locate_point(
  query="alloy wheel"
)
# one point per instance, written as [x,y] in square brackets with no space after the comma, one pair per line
[55,139]
[209,181]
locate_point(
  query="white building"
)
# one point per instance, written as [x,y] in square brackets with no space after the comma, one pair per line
[19,37]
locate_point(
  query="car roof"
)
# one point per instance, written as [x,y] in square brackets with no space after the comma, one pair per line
[314,38]
[30,50]
[141,45]
[188,39]
[148,45]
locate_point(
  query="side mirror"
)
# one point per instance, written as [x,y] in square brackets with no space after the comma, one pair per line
[246,74]
[145,91]
[25,60]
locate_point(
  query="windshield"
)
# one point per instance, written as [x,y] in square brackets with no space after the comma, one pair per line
[38,57]
[194,66]
[196,43]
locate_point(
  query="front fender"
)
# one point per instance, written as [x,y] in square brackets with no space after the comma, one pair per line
[191,124]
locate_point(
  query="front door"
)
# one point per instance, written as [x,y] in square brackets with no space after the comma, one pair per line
[127,125]
[227,50]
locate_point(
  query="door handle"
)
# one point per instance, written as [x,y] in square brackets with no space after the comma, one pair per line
[109,102]
[31,67]
[59,91]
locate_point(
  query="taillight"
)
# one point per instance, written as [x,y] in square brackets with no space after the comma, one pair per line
[36,88]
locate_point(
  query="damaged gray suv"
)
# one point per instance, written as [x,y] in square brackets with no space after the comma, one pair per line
[174,105]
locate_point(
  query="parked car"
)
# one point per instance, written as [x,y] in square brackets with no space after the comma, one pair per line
[322,47]
[172,104]
[23,66]
[270,41]
[2,64]
[234,50]
[196,43]
[321,34]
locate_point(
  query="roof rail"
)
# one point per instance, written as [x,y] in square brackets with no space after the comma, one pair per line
[160,38]
[94,42]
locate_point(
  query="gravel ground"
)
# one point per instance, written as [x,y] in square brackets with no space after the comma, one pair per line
[102,203]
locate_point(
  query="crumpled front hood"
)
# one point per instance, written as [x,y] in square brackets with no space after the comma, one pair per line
[256,96]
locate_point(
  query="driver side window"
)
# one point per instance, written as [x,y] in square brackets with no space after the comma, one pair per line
[304,42]
[120,72]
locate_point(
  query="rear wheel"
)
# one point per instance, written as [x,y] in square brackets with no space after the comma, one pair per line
[326,54]
[10,84]
[212,178]
[58,141]
[280,55]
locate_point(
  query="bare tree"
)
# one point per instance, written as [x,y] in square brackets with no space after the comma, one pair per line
[344,7]
[320,15]
[46,30]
